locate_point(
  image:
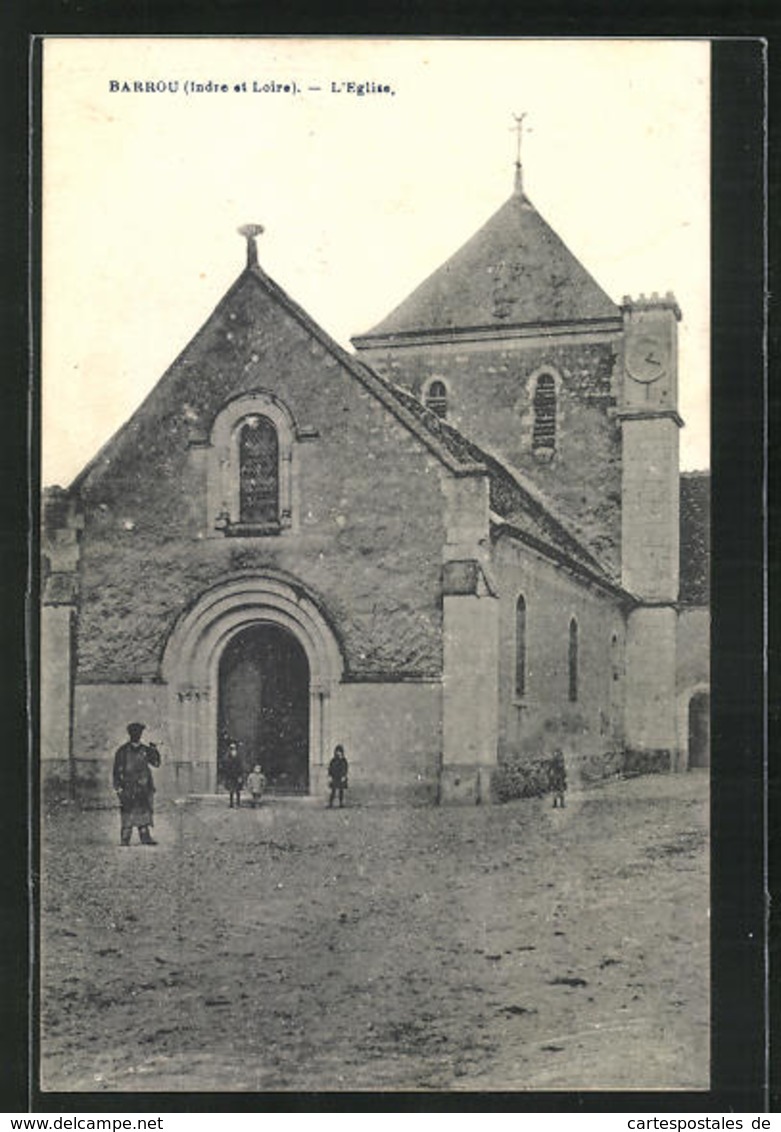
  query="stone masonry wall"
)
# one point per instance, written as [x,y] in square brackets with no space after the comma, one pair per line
[693,647]
[650,516]
[392,734]
[590,729]
[367,540]
[490,399]
[651,680]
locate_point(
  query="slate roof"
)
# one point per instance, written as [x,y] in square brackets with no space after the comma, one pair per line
[695,538]
[514,271]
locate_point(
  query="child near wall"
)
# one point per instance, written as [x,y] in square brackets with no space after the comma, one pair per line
[557,778]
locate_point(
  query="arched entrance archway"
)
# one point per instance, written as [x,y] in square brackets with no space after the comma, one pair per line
[205,634]
[699,729]
[264,704]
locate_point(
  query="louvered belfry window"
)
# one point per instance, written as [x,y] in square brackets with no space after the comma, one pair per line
[259,472]
[544,433]
[436,398]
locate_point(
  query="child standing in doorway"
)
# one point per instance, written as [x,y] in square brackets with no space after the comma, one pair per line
[233,774]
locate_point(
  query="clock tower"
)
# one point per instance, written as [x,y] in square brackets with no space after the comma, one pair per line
[650,424]
[648,410]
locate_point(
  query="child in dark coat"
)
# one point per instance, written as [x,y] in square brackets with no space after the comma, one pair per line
[337,775]
[233,774]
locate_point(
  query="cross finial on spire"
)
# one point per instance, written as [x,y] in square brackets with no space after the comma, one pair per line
[518,130]
[250,233]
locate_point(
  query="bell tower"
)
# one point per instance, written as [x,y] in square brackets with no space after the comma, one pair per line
[650,424]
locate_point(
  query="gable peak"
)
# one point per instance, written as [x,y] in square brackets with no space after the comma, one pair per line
[250,232]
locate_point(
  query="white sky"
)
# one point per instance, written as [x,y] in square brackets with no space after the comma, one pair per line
[361,197]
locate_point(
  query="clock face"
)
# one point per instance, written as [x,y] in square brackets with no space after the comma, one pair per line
[646,359]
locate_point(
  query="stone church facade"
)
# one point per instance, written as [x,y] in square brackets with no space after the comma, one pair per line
[456,547]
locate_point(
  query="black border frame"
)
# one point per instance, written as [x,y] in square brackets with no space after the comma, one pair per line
[740,1061]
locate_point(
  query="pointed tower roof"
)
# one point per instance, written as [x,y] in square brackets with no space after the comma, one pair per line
[514,271]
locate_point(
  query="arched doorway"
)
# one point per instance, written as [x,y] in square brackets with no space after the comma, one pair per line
[198,646]
[699,729]
[264,704]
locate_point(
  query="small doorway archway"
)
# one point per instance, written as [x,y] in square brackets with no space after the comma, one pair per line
[264,705]
[699,730]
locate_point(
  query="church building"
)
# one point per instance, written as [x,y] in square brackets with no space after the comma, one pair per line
[454,550]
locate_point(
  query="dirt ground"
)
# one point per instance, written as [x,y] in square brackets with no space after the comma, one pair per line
[297,948]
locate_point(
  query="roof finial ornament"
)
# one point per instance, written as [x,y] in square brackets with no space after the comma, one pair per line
[518,130]
[250,233]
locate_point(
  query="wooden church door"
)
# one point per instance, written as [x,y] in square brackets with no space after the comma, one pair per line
[264,705]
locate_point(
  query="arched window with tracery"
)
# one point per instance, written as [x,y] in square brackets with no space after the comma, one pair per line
[436,398]
[573,660]
[258,472]
[544,429]
[520,647]
[252,467]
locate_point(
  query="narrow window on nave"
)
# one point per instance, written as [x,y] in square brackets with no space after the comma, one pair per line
[436,398]
[258,472]
[544,430]
[573,660]
[520,647]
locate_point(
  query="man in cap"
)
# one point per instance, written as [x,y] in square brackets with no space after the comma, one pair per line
[134,785]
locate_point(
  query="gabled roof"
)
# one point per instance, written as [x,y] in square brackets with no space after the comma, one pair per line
[255,277]
[514,271]
[694,586]
[511,500]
